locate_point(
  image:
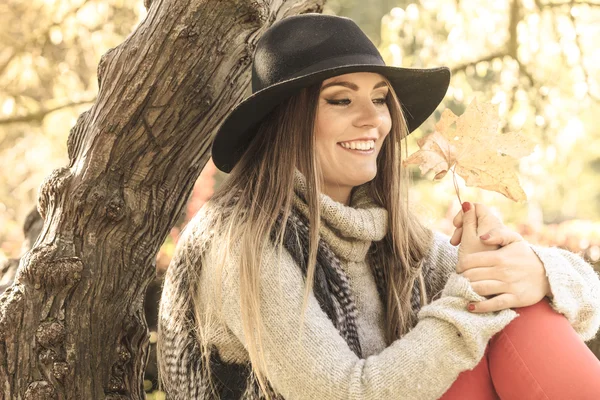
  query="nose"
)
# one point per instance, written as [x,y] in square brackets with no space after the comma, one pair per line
[368,115]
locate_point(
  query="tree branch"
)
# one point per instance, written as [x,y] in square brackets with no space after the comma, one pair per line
[510,47]
[541,5]
[523,69]
[463,67]
[38,116]
[586,73]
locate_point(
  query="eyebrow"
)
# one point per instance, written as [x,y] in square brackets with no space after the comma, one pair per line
[350,85]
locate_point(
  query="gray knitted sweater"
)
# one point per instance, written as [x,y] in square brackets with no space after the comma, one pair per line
[422,365]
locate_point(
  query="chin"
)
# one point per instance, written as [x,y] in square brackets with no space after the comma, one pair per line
[364,178]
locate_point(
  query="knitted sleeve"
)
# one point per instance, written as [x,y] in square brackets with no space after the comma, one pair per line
[421,365]
[440,262]
[575,287]
[574,283]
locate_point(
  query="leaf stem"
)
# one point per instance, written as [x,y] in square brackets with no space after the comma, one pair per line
[456,184]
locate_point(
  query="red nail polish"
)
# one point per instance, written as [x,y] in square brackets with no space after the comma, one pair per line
[471,307]
[466,206]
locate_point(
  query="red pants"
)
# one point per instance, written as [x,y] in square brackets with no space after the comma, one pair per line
[538,356]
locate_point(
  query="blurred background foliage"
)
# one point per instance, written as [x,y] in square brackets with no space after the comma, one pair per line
[538,60]
[49,54]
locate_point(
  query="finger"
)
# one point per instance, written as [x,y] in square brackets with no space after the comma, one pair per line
[489,287]
[498,303]
[478,260]
[484,273]
[455,239]
[469,220]
[458,219]
[489,215]
[480,210]
[501,237]
[483,209]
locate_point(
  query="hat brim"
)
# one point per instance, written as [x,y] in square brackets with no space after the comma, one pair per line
[420,91]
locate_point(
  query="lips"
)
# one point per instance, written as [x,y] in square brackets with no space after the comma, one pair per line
[361,139]
[358,151]
[358,144]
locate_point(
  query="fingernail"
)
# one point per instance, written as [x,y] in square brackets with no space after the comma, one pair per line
[485,237]
[471,307]
[466,206]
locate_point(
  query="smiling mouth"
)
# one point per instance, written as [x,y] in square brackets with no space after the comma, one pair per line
[357,151]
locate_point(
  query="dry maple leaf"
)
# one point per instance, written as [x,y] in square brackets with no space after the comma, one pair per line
[472,145]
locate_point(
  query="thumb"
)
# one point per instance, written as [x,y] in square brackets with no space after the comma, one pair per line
[469,219]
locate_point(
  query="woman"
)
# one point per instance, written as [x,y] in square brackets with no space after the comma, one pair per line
[307,276]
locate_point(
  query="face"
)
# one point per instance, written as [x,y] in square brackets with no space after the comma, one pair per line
[352,112]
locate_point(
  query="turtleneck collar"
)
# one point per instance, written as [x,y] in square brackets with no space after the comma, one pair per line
[348,230]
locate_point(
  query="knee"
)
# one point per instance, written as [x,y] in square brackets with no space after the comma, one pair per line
[541,307]
[534,319]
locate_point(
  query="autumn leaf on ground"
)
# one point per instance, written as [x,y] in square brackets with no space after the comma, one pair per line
[473,148]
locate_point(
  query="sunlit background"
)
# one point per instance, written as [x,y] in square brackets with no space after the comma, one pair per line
[538,60]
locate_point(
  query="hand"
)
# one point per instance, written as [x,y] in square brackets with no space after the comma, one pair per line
[486,221]
[481,220]
[513,273]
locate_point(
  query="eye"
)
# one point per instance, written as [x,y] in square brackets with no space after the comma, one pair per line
[345,102]
[342,102]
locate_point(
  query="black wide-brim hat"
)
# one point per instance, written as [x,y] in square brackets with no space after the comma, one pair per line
[301,50]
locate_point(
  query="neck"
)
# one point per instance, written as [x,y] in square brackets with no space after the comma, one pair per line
[337,192]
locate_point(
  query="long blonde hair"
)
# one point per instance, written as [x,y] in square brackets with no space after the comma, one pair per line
[265,175]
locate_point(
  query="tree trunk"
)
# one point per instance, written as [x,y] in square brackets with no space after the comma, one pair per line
[72,325]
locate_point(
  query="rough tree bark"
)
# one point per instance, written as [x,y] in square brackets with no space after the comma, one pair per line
[72,325]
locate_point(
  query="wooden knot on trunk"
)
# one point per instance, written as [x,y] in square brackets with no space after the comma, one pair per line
[189,31]
[116,385]
[41,268]
[123,355]
[40,390]
[118,368]
[115,209]
[47,356]
[255,13]
[53,184]
[109,200]
[50,334]
[60,370]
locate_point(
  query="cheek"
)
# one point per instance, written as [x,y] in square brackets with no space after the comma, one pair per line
[328,127]
[386,124]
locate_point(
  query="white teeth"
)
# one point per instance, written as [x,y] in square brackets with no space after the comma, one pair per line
[367,145]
